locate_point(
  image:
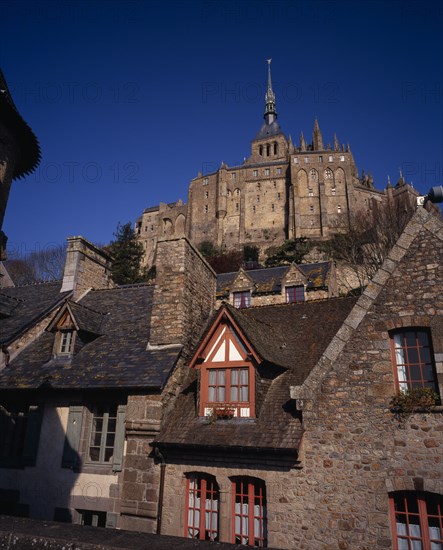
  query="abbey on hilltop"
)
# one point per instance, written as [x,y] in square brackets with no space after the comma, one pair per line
[280,192]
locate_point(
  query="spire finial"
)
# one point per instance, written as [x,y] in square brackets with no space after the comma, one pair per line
[270,111]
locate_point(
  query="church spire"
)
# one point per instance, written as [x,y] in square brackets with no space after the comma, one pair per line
[317,140]
[270,110]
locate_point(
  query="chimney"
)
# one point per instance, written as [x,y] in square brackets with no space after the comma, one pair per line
[86,267]
[184,295]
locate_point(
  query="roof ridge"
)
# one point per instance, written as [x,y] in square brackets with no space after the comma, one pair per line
[86,307]
[38,283]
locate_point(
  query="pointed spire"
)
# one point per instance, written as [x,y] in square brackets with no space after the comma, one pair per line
[317,140]
[302,142]
[270,110]
[336,143]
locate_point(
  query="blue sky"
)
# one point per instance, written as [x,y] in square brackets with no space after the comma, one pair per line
[130,100]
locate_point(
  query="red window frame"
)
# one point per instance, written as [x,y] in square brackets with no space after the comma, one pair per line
[242,299]
[294,294]
[249,525]
[413,359]
[416,517]
[202,507]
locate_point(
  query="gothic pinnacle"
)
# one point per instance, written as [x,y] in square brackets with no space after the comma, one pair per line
[270,110]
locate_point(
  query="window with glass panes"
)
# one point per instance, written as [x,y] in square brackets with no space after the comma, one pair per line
[416,520]
[102,435]
[228,385]
[242,299]
[249,512]
[66,341]
[413,359]
[295,294]
[202,506]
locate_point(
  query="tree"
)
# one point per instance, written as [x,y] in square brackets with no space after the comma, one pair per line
[207,249]
[127,253]
[365,246]
[292,250]
[37,266]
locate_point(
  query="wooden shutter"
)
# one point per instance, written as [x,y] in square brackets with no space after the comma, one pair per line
[32,435]
[71,458]
[119,439]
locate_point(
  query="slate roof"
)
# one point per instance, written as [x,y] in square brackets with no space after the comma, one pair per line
[23,306]
[268,130]
[116,359]
[269,280]
[291,339]
[84,318]
[29,149]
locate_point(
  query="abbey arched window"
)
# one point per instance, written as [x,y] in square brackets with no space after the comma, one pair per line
[275,148]
[313,174]
[268,150]
[260,150]
[328,174]
[202,507]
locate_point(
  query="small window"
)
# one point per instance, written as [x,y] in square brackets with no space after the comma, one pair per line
[311,208]
[295,294]
[279,171]
[275,185]
[416,520]
[146,228]
[268,150]
[237,192]
[202,505]
[19,434]
[93,518]
[249,512]
[342,158]
[260,150]
[205,181]
[310,192]
[320,158]
[255,173]
[228,193]
[328,174]
[206,194]
[205,209]
[66,340]
[338,208]
[242,299]
[313,175]
[275,148]
[306,160]
[413,358]
[278,196]
[258,186]
[258,198]
[253,209]
[272,207]
[237,207]
[295,160]
[267,172]
[333,191]
[331,158]
[233,176]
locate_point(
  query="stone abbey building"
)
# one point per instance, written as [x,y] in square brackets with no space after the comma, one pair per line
[281,191]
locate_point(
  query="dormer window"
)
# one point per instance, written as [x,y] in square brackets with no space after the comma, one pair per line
[66,342]
[295,294]
[242,298]
[227,380]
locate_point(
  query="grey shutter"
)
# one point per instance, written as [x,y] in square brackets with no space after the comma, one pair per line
[111,520]
[71,458]
[119,439]
[32,435]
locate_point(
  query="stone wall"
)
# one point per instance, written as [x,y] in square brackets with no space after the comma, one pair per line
[86,267]
[184,295]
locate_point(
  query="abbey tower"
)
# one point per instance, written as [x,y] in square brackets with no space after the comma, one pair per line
[281,191]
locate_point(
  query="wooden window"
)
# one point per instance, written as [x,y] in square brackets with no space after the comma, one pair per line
[66,341]
[19,434]
[416,520]
[242,298]
[102,435]
[249,512]
[202,506]
[267,171]
[295,294]
[413,359]
[255,173]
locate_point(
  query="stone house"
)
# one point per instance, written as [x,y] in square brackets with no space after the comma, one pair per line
[146,408]
[277,285]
